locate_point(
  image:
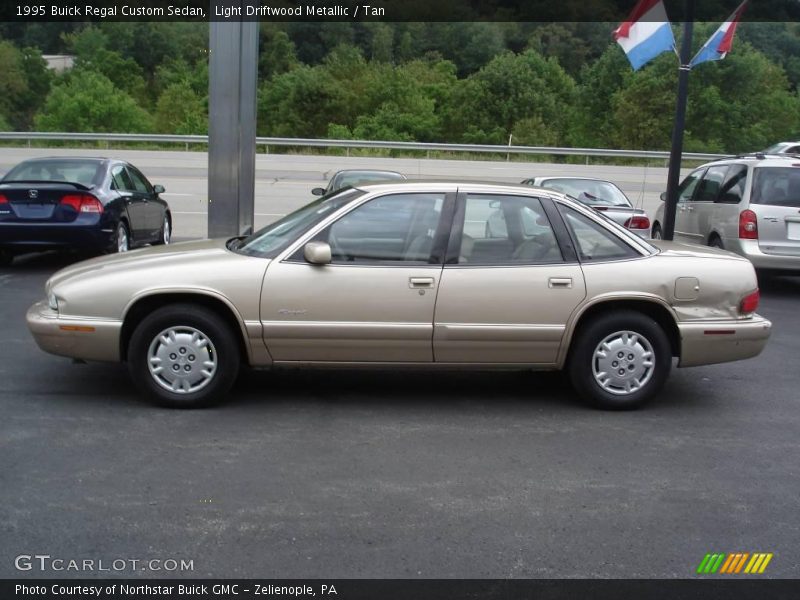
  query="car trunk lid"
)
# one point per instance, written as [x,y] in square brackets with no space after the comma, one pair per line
[37,201]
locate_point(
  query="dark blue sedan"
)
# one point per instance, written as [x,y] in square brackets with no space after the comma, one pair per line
[88,204]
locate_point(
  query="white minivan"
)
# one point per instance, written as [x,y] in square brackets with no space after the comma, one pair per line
[749,205]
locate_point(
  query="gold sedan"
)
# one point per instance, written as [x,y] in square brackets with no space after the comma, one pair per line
[403,274]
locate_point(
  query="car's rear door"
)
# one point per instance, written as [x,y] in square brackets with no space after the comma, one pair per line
[506,299]
[775,198]
[702,207]
[374,302]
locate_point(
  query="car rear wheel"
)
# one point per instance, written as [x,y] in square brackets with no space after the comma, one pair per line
[656,232]
[715,242]
[122,240]
[6,258]
[184,356]
[165,234]
[620,360]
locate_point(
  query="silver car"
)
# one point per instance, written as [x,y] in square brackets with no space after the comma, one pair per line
[601,195]
[784,148]
[749,205]
[400,274]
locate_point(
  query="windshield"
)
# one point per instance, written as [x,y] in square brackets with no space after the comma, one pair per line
[776,186]
[776,149]
[589,191]
[85,172]
[270,240]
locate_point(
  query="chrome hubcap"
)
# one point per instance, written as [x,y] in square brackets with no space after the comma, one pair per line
[122,240]
[623,362]
[182,359]
[166,230]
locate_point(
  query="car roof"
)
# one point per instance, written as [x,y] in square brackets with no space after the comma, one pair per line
[67,158]
[382,171]
[548,177]
[757,159]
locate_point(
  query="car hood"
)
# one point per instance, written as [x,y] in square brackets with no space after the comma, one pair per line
[679,249]
[172,255]
[106,287]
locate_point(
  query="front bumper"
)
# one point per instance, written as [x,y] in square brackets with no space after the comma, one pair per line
[81,337]
[708,343]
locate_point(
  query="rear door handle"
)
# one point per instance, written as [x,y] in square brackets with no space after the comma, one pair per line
[420,282]
[559,282]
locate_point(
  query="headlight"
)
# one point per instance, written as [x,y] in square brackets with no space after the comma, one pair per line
[52,301]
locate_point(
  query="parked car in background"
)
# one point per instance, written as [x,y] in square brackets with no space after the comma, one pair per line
[342,179]
[602,196]
[388,275]
[749,205]
[784,148]
[90,204]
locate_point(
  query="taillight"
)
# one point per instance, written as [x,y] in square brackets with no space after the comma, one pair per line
[82,203]
[3,199]
[638,223]
[748,225]
[749,303]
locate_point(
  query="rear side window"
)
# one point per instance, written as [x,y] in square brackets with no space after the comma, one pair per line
[776,186]
[594,242]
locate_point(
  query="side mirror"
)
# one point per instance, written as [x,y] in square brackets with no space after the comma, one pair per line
[663,196]
[318,191]
[317,253]
[159,189]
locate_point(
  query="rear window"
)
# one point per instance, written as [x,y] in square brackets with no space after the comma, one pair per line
[84,172]
[776,186]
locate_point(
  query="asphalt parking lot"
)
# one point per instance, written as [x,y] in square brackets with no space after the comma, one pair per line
[386,474]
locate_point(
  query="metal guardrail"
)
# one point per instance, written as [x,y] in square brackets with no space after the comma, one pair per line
[419,146]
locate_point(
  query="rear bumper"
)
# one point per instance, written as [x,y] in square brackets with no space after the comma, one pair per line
[714,342]
[761,260]
[21,237]
[87,339]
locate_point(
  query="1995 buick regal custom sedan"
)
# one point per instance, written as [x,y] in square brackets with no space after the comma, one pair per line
[402,274]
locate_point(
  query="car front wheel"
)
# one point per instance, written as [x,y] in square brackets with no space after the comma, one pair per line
[122,239]
[620,360]
[184,356]
[165,233]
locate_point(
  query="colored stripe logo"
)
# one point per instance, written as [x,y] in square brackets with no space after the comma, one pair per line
[734,563]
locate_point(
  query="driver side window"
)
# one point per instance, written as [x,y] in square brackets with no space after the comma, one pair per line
[398,228]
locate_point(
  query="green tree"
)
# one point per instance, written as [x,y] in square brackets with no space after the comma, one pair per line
[510,89]
[277,52]
[86,101]
[181,111]
[91,49]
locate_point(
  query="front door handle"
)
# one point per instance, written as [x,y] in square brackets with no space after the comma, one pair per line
[559,282]
[420,282]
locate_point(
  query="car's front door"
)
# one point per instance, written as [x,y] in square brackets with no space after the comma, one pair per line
[374,302]
[134,203]
[154,213]
[505,298]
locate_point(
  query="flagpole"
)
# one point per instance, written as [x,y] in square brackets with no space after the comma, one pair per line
[673,175]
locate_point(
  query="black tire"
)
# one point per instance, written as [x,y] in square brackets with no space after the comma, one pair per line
[6,258]
[165,233]
[122,230]
[655,233]
[583,360]
[715,242]
[222,349]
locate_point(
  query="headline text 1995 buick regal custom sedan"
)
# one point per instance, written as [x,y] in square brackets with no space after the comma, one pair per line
[403,274]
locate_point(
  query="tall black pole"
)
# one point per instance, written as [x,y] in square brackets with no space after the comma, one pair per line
[680,120]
